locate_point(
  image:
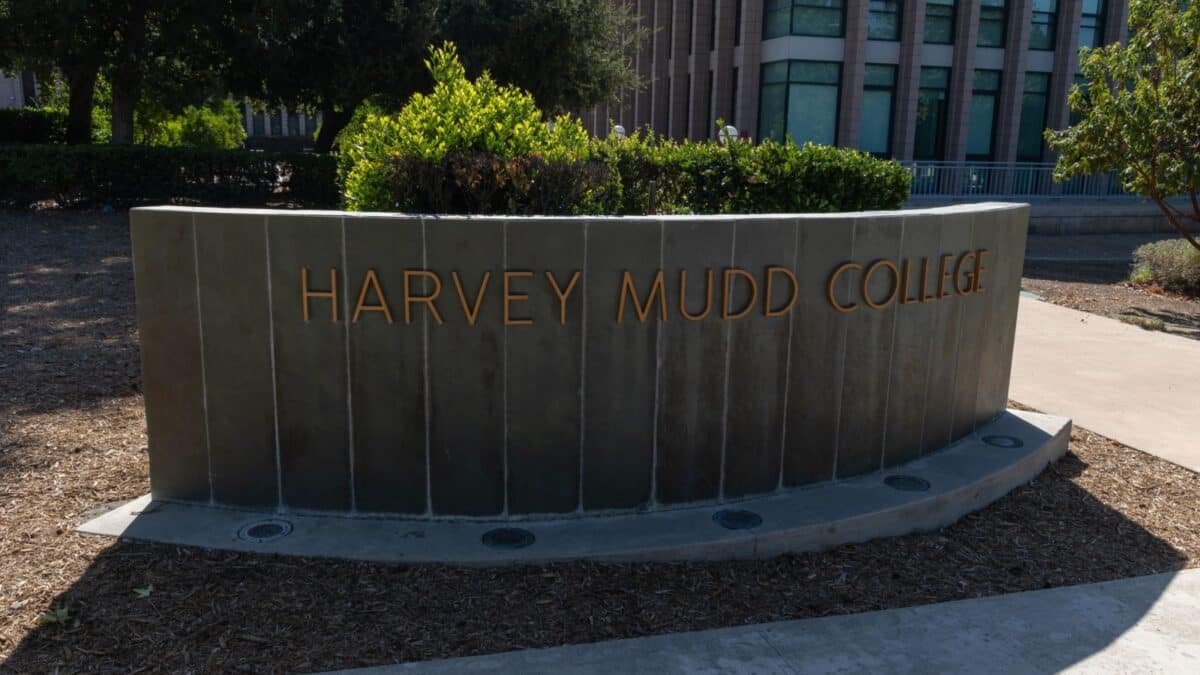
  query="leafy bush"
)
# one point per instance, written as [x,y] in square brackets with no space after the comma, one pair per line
[1173,265]
[216,126]
[459,115]
[122,176]
[33,125]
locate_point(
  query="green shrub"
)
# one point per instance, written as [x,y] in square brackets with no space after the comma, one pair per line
[1173,264]
[459,115]
[123,176]
[216,126]
[33,125]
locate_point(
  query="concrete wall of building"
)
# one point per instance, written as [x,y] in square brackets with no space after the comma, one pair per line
[496,367]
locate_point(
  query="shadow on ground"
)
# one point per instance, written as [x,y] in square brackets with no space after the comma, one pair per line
[223,611]
[135,606]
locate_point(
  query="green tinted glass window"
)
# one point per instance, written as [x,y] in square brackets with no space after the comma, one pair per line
[803,106]
[1033,117]
[883,19]
[1042,24]
[939,21]
[879,90]
[931,113]
[993,21]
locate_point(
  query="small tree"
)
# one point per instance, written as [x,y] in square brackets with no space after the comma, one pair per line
[1140,111]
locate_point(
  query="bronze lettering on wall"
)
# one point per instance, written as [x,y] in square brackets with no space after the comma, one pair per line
[872,285]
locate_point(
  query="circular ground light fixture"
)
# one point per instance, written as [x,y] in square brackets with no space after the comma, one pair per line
[263,531]
[906,483]
[1004,441]
[507,538]
[737,519]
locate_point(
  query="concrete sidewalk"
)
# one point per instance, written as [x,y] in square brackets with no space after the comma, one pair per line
[1139,387]
[1141,625]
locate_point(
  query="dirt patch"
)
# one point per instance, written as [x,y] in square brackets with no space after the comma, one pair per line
[72,437]
[1101,288]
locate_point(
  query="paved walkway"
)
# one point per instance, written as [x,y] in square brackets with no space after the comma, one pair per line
[1141,625]
[1139,387]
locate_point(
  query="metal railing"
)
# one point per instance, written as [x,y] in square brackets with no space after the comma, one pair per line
[1026,180]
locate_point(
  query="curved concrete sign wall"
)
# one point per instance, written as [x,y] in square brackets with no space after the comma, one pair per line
[509,367]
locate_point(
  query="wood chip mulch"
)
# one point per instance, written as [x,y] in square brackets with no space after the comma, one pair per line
[72,439]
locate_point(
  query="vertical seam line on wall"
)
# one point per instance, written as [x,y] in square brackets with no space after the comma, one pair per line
[958,321]
[504,377]
[787,368]
[929,350]
[725,383]
[887,389]
[203,365]
[274,376]
[349,391]
[658,338]
[425,358]
[841,371]
[583,363]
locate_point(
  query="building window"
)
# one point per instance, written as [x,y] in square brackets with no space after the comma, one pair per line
[1091,24]
[993,21]
[1041,32]
[803,17]
[883,19]
[981,124]
[879,93]
[939,22]
[799,100]
[931,113]
[737,23]
[1033,117]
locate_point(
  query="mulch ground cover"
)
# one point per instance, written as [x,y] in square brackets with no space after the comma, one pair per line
[1090,285]
[72,440]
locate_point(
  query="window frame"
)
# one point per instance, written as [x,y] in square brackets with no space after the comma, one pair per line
[806,4]
[891,114]
[1045,94]
[899,14]
[939,153]
[786,83]
[1003,21]
[953,17]
[995,94]
[1048,19]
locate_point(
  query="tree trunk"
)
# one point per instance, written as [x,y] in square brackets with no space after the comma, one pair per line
[125,90]
[332,122]
[81,83]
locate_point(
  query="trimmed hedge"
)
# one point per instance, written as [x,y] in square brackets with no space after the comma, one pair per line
[33,125]
[638,176]
[124,176]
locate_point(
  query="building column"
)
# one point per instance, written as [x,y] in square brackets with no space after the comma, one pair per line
[660,93]
[723,79]
[1066,59]
[698,64]
[1012,80]
[962,80]
[679,69]
[749,68]
[908,81]
[854,56]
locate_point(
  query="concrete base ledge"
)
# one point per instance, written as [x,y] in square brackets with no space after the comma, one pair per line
[961,478]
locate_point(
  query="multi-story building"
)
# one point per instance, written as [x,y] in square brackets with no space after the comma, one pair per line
[950,80]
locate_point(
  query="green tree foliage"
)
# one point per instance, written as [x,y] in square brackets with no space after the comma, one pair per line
[567,53]
[330,57]
[1140,111]
[215,126]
